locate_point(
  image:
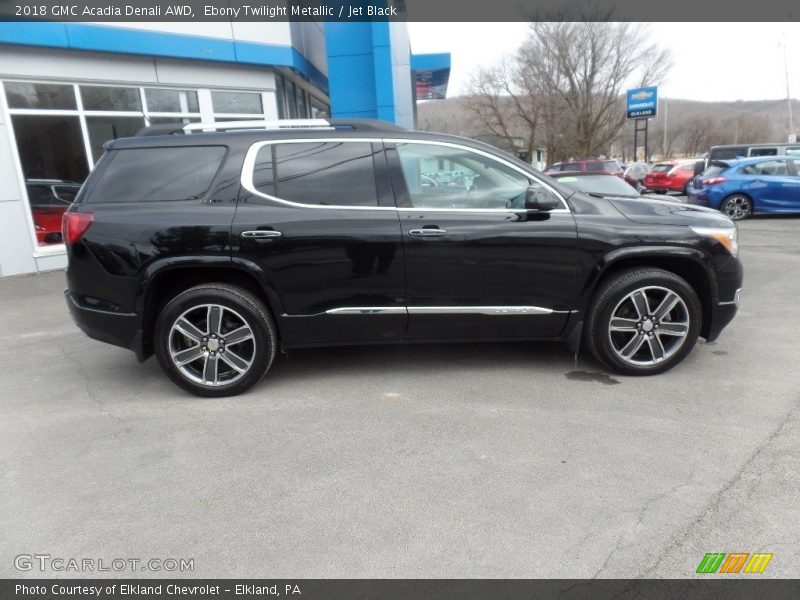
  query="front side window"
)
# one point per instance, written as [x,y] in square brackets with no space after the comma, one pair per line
[148,174]
[446,177]
[317,173]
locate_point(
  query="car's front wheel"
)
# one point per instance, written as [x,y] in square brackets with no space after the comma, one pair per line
[215,340]
[737,206]
[643,321]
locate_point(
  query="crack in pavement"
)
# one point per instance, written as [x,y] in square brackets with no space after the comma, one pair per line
[719,496]
[81,368]
[640,519]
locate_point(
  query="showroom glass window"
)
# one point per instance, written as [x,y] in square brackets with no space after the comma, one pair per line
[450,177]
[60,129]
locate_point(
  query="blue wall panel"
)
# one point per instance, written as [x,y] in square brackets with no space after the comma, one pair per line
[360,70]
[98,38]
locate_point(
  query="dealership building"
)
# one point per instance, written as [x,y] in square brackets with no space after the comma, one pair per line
[66,88]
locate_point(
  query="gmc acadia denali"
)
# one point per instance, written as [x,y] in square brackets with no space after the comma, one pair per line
[215,249]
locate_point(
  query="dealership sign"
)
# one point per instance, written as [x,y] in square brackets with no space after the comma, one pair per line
[642,103]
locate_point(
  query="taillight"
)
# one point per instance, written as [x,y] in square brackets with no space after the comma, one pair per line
[74,225]
[713,181]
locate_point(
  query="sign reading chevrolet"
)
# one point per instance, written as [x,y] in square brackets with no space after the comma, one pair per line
[642,103]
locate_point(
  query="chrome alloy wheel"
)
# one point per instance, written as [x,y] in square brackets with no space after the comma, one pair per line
[737,207]
[648,326]
[212,345]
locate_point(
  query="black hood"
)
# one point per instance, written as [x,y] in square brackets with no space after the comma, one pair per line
[654,212]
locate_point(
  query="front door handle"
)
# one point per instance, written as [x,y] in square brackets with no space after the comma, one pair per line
[428,232]
[261,234]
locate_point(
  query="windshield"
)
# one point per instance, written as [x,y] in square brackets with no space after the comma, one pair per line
[663,167]
[604,185]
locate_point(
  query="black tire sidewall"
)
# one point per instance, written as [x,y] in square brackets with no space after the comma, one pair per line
[615,291]
[244,304]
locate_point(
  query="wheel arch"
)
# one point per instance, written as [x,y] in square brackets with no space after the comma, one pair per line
[687,263]
[164,281]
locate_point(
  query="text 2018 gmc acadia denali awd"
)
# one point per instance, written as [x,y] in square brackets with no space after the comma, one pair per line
[214,250]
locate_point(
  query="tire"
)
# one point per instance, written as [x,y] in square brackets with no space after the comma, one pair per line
[736,206]
[685,191]
[643,342]
[193,340]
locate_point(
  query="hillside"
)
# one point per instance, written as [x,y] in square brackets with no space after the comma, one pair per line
[692,126]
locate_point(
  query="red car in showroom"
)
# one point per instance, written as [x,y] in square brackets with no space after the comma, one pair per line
[49,200]
[670,176]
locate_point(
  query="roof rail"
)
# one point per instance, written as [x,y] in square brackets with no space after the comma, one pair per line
[283,124]
[259,124]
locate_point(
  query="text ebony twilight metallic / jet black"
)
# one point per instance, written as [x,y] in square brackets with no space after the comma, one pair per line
[215,249]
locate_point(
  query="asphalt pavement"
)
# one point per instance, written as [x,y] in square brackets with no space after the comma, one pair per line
[470,460]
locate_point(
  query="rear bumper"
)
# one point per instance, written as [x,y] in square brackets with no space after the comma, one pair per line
[698,198]
[722,313]
[117,328]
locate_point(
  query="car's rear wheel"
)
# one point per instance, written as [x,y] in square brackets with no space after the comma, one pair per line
[215,340]
[643,321]
[737,206]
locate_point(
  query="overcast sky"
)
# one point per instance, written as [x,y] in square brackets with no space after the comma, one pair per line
[713,61]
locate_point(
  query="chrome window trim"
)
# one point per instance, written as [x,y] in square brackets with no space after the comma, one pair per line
[246,178]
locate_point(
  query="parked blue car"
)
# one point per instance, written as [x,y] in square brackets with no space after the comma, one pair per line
[739,188]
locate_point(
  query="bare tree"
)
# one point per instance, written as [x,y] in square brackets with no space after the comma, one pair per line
[501,108]
[698,135]
[563,88]
[585,67]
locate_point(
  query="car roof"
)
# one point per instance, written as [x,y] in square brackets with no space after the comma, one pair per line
[376,130]
[737,162]
[582,174]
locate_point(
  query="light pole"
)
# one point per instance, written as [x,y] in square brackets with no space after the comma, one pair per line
[788,94]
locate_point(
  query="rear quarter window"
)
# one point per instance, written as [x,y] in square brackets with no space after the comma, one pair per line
[157,174]
[318,173]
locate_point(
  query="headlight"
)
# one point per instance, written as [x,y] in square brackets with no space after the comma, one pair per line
[725,236]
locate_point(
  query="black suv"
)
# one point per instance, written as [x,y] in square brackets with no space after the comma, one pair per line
[215,249]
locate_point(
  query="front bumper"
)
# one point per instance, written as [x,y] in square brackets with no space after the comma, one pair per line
[723,313]
[117,328]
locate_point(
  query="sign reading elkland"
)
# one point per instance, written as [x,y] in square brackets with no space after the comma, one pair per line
[642,103]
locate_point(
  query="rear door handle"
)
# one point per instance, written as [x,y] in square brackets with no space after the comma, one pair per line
[261,234]
[427,232]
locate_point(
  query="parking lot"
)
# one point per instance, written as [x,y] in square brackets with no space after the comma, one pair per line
[484,460]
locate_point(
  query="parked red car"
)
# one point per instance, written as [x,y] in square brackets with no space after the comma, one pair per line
[670,176]
[608,166]
[49,200]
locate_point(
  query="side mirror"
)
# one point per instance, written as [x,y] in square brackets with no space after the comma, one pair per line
[539,198]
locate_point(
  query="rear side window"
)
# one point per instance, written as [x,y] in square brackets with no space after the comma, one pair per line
[712,171]
[763,152]
[158,174]
[727,153]
[768,167]
[317,173]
